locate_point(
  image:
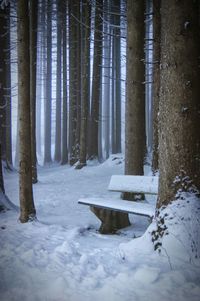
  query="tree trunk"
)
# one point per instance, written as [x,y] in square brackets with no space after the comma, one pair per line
[179,139]
[57,155]
[85,85]
[96,81]
[5,88]
[135,95]
[78,89]
[40,74]
[106,90]
[156,80]
[27,207]
[48,98]
[113,120]
[3,91]
[148,75]
[116,79]
[64,154]
[9,163]
[100,133]
[72,82]
[33,63]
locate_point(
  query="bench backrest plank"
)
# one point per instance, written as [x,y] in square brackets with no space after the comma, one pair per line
[137,184]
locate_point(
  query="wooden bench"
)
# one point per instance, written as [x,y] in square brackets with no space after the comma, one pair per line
[123,183]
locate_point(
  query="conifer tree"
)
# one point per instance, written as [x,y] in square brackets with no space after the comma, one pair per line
[179,139]
[135,94]
[27,208]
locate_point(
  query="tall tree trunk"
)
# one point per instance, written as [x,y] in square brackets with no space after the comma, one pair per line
[118,79]
[3,90]
[100,133]
[72,82]
[85,85]
[33,63]
[96,81]
[156,80]
[106,90]
[48,96]
[40,74]
[116,74]
[14,91]
[135,100]
[78,90]
[39,96]
[8,96]
[179,139]
[113,121]
[135,94]
[148,74]
[27,207]
[57,156]
[64,153]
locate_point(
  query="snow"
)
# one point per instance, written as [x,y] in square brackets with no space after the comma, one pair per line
[6,203]
[141,184]
[62,257]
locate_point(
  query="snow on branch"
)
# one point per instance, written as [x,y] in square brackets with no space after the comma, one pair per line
[4,3]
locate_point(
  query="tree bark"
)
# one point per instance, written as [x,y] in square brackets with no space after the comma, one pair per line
[135,94]
[64,153]
[116,79]
[148,75]
[41,65]
[33,64]
[107,75]
[96,81]
[9,162]
[85,85]
[156,80]
[27,208]
[48,93]
[5,87]
[179,139]
[57,155]
[72,82]
[79,70]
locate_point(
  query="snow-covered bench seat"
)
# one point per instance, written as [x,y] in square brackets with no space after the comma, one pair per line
[125,183]
[138,208]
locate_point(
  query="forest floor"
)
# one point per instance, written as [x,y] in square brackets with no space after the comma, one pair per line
[62,257]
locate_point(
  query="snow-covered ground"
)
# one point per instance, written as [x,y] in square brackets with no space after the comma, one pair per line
[62,257]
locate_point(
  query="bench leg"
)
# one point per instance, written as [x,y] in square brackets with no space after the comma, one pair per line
[111,221]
